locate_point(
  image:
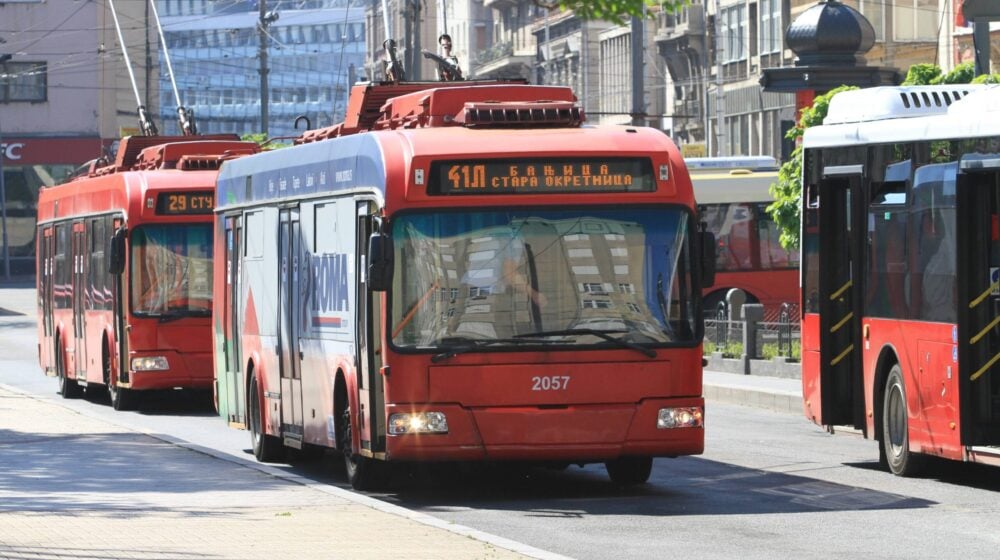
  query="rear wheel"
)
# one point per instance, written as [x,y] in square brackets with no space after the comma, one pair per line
[629,471]
[266,448]
[68,388]
[895,435]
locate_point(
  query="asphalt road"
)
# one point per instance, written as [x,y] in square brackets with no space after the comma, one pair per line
[769,485]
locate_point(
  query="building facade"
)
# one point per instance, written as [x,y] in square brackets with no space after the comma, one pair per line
[65,96]
[315,50]
[414,27]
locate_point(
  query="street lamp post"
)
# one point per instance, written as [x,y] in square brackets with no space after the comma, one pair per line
[3,196]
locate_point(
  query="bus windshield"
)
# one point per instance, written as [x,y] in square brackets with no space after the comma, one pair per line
[513,277]
[171,270]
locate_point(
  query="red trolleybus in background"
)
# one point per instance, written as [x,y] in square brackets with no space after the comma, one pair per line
[462,272]
[124,274]
[732,194]
[901,260]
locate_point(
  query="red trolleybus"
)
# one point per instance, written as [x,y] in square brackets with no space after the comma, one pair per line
[462,272]
[732,194]
[901,260]
[124,273]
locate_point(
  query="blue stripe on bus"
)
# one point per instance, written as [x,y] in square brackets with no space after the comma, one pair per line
[325,166]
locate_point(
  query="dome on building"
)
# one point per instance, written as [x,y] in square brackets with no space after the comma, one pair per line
[831,32]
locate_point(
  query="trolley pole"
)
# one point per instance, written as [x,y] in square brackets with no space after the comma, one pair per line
[3,194]
[638,82]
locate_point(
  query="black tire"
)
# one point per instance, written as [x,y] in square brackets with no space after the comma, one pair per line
[266,448]
[629,471]
[895,436]
[68,388]
[121,398]
[360,470]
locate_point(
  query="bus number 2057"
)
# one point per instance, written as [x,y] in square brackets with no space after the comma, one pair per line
[549,382]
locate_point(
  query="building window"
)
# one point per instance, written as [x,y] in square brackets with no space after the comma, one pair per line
[874,12]
[595,288]
[734,31]
[23,81]
[479,291]
[915,20]
[770,26]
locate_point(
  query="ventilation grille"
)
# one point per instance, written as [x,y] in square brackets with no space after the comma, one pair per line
[884,103]
[514,114]
[931,99]
[196,163]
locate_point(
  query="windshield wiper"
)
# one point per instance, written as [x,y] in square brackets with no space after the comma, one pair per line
[602,334]
[463,345]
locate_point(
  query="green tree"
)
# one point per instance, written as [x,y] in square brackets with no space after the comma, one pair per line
[788,190]
[261,139]
[922,75]
[617,11]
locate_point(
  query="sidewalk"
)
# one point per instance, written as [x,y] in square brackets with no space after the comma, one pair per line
[758,391]
[79,487]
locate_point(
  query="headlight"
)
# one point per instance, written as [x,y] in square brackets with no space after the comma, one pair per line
[150,363]
[682,417]
[418,423]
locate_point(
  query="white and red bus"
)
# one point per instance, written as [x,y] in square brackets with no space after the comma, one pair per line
[732,195]
[462,272]
[900,268]
[124,270]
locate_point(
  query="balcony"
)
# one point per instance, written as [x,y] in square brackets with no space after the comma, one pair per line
[502,61]
[499,4]
[690,22]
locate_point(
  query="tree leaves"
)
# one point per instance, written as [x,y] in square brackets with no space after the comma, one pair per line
[617,11]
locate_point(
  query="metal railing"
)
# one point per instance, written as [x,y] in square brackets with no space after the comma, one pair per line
[753,337]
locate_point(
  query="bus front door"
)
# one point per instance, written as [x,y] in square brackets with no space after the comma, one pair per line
[841,226]
[231,387]
[368,341]
[978,259]
[80,296]
[288,328]
[45,272]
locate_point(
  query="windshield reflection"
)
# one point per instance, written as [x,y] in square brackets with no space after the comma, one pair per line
[171,271]
[496,275]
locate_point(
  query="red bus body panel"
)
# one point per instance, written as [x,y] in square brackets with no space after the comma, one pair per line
[609,408]
[812,401]
[927,356]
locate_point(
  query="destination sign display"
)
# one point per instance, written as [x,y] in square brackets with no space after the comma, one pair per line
[201,202]
[541,176]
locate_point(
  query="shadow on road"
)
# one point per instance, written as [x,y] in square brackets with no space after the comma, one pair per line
[679,487]
[971,475]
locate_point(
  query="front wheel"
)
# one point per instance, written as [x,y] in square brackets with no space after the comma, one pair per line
[266,448]
[68,388]
[121,398]
[360,470]
[629,471]
[895,435]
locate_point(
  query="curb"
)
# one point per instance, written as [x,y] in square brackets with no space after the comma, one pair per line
[777,400]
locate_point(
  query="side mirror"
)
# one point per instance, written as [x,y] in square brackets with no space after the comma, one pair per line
[380,262]
[116,252]
[707,259]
